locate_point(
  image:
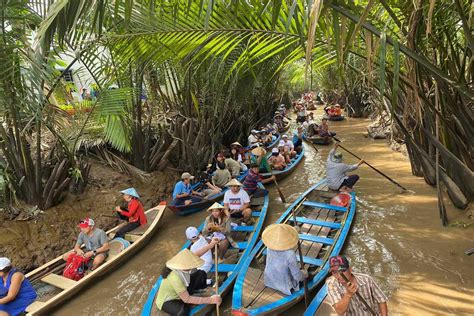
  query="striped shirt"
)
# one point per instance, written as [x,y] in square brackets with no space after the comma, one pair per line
[251,181]
[366,287]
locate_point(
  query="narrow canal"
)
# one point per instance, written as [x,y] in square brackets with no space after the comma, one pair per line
[396,237]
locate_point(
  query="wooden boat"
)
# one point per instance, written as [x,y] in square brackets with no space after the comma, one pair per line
[320,305]
[280,174]
[204,203]
[53,289]
[322,230]
[245,236]
[318,140]
[274,142]
[335,117]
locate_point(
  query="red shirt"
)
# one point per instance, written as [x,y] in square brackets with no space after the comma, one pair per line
[135,212]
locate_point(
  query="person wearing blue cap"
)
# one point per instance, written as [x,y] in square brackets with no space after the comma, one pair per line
[134,214]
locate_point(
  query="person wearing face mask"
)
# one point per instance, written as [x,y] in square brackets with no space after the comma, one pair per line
[16,292]
[174,296]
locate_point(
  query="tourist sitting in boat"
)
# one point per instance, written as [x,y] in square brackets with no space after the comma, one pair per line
[96,245]
[252,179]
[209,189]
[284,152]
[337,110]
[175,294]
[201,247]
[282,110]
[221,176]
[237,152]
[133,214]
[336,172]
[276,160]
[266,137]
[278,120]
[237,202]
[298,139]
[217,225]
[281,269]
[232,165]
[259,157]
[253,137]
[341,293]
[301,113]
[16,292]
[323,129]
[183,194]
[218,157]
[286,142]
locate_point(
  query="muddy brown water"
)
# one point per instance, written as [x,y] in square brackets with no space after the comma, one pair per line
[396,237]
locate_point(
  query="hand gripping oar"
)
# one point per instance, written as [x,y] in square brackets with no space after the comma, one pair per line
[371,311]
[300,253]
[372,167]
[282,197]
[216,284]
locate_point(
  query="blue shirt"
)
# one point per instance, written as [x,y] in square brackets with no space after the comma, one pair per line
[282,272]
[181,188]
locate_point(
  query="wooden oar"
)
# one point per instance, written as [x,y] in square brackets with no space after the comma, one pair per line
[282,197]
[371,311]
[216,262]
[372,167]
[300,253]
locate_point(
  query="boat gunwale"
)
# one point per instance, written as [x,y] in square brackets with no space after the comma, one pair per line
[289,169]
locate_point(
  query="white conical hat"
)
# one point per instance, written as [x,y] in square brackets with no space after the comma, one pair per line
[184,260]
[233,182]
[280,237]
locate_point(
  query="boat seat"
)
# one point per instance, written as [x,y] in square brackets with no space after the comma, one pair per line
[311,261]
[33,307]
[132,237]
[241,245]
[317,222]
[326,206]
[243,228]
[318,239]
[223,267]
[59,281]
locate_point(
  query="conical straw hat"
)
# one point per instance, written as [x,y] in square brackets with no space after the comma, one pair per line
[259,151]
[233,182]
[184,260]
[280,237]
[236,144]
[215,206]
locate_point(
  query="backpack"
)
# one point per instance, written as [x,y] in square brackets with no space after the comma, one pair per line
[75,267]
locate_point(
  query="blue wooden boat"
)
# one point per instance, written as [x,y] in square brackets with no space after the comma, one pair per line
[319,305]
[280,174]
[323,229]
[245,236]
[204,203]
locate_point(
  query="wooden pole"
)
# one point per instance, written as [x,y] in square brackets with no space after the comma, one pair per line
[282,197]
[216,262]
[442,208]
[300,253]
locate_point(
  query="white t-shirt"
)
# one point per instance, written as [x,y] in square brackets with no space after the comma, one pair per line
[252,139]
[207,256]
[237,200]
[288,144]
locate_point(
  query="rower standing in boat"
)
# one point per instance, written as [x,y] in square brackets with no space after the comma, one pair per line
[95,243]
[173,296]
[16,292]
[336,172]
[134,214]
[282,272]
[237,202]
[341,291]
[202,248]
[183,194]
[252,179]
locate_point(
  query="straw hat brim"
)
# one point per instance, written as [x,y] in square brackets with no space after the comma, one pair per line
[184,260]
[215,206]
[233,182]
[236,144]
[259,151]
[280,237]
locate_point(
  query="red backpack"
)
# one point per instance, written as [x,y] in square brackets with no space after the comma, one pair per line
[75,267]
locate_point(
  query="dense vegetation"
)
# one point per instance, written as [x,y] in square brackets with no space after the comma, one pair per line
[212,70]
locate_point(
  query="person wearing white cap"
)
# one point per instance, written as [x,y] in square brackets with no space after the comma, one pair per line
[183,194]
[281,269]
[175,294]
[288,144]
[237,202]
[96,244]
[276,160]
[203,249]
[336,172]
[253,137]
[133,214]
[16,292]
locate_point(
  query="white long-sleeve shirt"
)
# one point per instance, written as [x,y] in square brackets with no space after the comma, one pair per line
[336,171]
